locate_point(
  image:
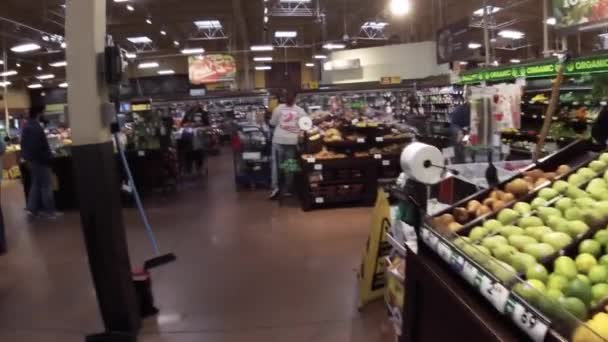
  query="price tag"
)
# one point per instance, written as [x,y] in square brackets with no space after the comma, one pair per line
[495,293]
[469,272]
[141,153]
[575,103]
[377,156]
[319,200]
[444,251]
[360,140]
[528,321]
[311,160]
[379,139]
[426,236]
[448,153]
[386,163]
[318,167]
[433,240]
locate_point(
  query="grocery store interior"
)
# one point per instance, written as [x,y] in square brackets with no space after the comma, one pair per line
[303,170]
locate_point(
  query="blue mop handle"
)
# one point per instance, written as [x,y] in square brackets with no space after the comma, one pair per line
[140,207]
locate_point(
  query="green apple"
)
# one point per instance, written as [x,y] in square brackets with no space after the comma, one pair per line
[573,214]
[601,237]
[537,232]
[522,208]
[579,289]
[511,230]
[548,193]
[546,212]
[584,263]
[604,157]
[585,279]
[558,240]
[527,291]
[599,291]
[591,247]
[577,227]
[565,266]
[522,261]
[557,281]
[494,241]
[586,173]
[539,250]
[598,274]
[576,179]
[560,186]
[597,166]
[597,183]
[604,260]
[584,202]
[564,204]
[558,224]
[504,252]
[574,192]
[538,272]
[530,221]
[554,294]
[575,306]
[538,202]
[507,216]
[520,241]
[478,233]
[492,225]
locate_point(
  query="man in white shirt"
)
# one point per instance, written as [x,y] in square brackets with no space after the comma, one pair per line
[284,119]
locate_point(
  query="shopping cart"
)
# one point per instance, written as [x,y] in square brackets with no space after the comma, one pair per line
[252,162]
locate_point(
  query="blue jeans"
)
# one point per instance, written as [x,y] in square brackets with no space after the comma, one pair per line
[280,153]
[40,197]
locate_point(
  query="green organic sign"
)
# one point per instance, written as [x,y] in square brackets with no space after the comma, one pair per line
[579,12]
[546,68]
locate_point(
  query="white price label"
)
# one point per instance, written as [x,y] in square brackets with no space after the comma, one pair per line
[311,160]
[528,321]
[457,262]
[386,163]
[141,153]
[444,251]
[377,156]
[495,293]
[576,103]
[318,167]
[379,139]
[534,116]
[360,140]
[469,272]
[448,153]
[319,200]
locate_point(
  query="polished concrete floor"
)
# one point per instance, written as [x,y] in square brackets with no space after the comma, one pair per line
[248,270]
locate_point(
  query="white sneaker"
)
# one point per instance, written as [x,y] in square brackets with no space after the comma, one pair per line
[52,216]
[274,194]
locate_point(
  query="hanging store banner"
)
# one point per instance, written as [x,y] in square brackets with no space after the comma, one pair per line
[211,69]
[579,12]
[453,43]
[545,68]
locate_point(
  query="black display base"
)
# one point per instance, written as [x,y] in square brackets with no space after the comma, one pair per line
[111,337]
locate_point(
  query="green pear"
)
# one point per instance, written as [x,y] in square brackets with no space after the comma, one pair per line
[604,157]
[576,179]
[507,216]
[478,233]
[573,214]
[574,192]
[520,241]
[539,250]
[601,237]
[584,203]
[546,212]
[597,183]
[558,240]
[564,204]
[522,261]
[548,193]
[538,202]
[538,232]
[530,221]
[493,225]
[566,267]
[577,228]
[606,176]
[593,218]
[600,194]
[558,224]
[494,241]
[597,166]
[560,186]
[587,173]
[522,208]
[504,252]
[558,281]
[507,231]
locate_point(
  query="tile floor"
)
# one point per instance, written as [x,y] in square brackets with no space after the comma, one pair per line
[248,270]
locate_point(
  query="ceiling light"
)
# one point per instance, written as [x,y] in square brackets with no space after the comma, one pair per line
[262,48]
[376,25]
[266,19]
[292,1]
[262,59]
[515,61]
[5,84]
[400,7]
[208,24]
[64,45]
[474,46]
[25,48]
[18,65]
[334,46]
[140,40]
[511,34]
[495,63]
[8,73]
[193,51]
[310,65]
[263,67]
[148,65]
[551,21]
[149,21]
[58,64]
[285,34]
[1,62]
[166,72]
[163,32]
[121,0]
[490,10]
[131,55]
[130,8]
[35,86]
[39,68]
[320,57]
[45,77]
[63,85]
[176,43]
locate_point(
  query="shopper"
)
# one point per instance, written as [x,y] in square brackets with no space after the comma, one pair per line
[599,131]
[460,121]
[37,153]
[284,119]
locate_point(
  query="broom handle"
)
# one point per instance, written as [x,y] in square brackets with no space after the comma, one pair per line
[553,102]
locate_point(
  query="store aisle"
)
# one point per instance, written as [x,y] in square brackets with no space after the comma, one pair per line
[248,270]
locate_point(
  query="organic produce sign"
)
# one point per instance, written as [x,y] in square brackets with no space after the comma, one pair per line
[211,69]
[579,12]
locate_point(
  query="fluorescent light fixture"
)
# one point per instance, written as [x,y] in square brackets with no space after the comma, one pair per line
[64,45]
[262,59]
[8,73]
[208,24]
[515,61]
[262,48]
[491,10]
[193,51]
[130,8]
[176,43]
[35,86]
[63,85]
[263,67]
[285,34]
[376,25]
[266,19]
[163,32]
[511,34]
[45,77]
[320,57]
[121,0]
[149,21]
[131,55]
[140,40]
[58,64]
[5,84]
[18,65]
[334,46]
[1,62]
[551,21]
[495,63]
[474,46]
[464,63]
[400,7]
[295,1]
[148,65]
[310,65]
[166,72]
[28,47]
